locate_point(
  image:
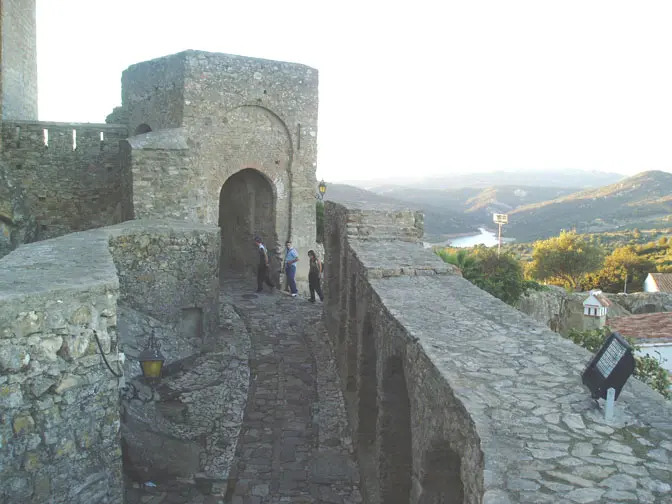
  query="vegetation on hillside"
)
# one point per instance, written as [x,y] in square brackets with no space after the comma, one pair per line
[593,261]
[647,369]
[564,259]
[500,275]
[536,210]
[644,199]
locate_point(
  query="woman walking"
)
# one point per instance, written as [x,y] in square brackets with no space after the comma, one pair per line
[314,276]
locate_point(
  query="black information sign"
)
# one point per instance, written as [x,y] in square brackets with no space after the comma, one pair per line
[611,367]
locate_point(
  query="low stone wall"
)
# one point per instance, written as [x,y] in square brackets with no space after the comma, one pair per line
[454,396]
[60,404]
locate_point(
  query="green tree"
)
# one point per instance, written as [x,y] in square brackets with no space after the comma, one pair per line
[564,259]
[501,276]
[623,262]
[460,258]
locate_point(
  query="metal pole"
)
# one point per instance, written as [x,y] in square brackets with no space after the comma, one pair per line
[625,284]
[499,243]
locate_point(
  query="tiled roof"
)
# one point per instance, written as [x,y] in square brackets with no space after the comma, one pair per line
[646,326]
[663,281]
[601,298]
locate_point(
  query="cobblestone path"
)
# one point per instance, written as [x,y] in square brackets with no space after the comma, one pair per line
[294,445]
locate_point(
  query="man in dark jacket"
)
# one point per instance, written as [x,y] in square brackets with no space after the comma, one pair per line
[263,270]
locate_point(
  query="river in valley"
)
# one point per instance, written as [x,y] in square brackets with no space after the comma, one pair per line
[487,238]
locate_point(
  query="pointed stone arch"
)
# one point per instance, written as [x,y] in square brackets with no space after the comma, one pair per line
[395,459]
[247,206]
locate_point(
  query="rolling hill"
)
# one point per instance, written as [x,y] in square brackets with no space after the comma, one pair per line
[535,212]
[550,178]
[642,200]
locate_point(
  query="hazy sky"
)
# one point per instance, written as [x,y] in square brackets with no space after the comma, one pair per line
[406,88]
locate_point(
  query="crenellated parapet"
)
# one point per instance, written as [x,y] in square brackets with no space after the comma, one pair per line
[70,174]
[454,396]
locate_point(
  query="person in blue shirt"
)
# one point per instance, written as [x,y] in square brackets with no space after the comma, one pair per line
[291,258]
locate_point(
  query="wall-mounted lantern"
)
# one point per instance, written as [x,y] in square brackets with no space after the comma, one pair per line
[151,359]
[322,188]
[151,363]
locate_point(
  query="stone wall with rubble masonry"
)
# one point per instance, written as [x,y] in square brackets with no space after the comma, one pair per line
[454,396]
[69,174]
[62,424]
[212,115]
[18,53]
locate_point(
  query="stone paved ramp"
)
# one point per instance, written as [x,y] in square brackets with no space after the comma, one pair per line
[294,445]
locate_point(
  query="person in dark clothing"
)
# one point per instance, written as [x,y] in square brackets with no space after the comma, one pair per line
[314,276]
[263,270]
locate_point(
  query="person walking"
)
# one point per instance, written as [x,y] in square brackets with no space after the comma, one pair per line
[263,269]
[314,276]
[291,258]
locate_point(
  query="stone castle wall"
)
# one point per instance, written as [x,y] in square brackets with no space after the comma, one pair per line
[59,433]
[60,422]
[18,54]
[454,396]
[234,114]
[71,179]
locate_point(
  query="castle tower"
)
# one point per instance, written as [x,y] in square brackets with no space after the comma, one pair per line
[18,57]
[228,140]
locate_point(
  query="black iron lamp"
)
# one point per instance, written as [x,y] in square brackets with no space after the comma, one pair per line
[151,363]
[322,188]
[151,359]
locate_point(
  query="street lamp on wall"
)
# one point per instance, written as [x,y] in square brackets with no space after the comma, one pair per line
[322,188]
[151,359]
[151,363]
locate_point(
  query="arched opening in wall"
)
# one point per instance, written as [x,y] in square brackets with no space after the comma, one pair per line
[367,411]
[343,300]
[353,336]
[333,271]
[441,481]
[246,209]
[395,459]
[143,128]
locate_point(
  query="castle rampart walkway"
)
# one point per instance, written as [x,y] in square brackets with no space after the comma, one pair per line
[294,445]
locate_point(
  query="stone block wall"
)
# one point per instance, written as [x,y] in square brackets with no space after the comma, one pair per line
[153,93]
[236,114]
[59,404]
[18,55]
[169,273]
[72,179]
[454,396]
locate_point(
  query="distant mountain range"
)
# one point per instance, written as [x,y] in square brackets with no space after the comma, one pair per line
[552,178]
[541,205]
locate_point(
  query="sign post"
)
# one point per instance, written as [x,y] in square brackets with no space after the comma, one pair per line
[500,219]
[608,370]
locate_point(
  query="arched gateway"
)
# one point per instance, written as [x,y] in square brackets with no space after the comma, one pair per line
[246,208]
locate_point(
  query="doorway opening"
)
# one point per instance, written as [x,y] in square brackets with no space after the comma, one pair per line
[246,209]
